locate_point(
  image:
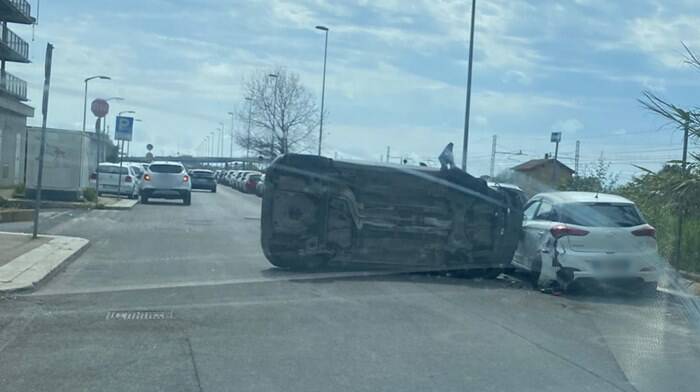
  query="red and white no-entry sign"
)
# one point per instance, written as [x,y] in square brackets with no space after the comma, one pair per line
[99,107]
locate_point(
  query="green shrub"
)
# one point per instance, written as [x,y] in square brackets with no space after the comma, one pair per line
[18,191]
[89,194]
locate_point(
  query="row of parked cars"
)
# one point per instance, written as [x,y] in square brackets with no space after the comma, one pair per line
[246,181]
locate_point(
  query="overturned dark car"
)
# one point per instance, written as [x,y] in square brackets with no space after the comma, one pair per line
[316,211]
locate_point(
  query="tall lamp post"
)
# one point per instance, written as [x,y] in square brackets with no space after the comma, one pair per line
[465,145]
[274,118]
[230,153]
[323,89]
[250,115]
[85,97]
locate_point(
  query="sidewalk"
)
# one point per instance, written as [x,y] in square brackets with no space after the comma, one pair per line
[24,262]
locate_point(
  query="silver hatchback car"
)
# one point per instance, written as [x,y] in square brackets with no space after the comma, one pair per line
[166,180]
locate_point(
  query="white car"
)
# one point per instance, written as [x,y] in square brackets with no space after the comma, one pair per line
[582,236]
[111,183]
[166,180]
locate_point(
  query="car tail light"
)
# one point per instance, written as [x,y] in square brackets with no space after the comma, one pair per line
[185,178]
[93,176]
[559,231]
[127,179]
[646,231]
[146,177]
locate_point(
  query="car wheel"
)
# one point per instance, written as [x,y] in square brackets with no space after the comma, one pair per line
[213,190]
[187,200]
[144,199]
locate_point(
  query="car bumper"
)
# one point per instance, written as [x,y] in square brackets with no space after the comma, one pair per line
[204,185]
[115,190]
[165,193]
[646,266]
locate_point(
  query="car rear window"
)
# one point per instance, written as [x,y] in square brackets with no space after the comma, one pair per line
[161,168]
[112,169]
[136,170]
[600,215]
[202,174]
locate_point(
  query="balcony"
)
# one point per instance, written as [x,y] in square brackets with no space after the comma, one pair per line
[14,86]
[12,47]
[16,11]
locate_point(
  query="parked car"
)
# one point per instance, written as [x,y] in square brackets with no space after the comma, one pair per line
[236,182]
[260,186]
[250,181]
[217,174]
[203,179]
[110,182]
[580,236]
[166,180]
[227,178]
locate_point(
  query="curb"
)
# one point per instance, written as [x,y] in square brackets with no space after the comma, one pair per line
[27,275]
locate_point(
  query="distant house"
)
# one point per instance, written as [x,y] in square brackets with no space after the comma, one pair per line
[540,175]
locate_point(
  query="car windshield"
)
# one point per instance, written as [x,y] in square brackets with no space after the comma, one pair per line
[202,174]
[113,169]
[165,168]
[600,214]
[350,195]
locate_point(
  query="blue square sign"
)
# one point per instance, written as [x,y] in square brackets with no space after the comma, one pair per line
[124,130]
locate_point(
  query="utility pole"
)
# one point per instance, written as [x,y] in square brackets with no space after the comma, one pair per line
[577,157]
[388,152]
[681,214]
[493,156]
[555,138]
[465,144]
[42,145]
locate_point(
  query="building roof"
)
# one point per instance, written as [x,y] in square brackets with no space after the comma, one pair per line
[536,163]
[582,197]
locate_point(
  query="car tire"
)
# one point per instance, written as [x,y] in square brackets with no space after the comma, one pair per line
[187,199]
[213,190]
[144,199]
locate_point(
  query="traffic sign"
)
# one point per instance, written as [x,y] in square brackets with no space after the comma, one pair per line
[99,107]
[149,157]
[124,130]
[149,146]
[556,137]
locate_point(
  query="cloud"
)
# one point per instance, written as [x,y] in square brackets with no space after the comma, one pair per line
[570,125]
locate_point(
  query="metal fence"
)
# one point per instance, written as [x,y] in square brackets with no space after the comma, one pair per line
[23,6]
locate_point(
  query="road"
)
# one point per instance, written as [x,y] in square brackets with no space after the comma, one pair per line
[223,319]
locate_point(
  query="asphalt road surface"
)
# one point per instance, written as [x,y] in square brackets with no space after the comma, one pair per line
[175,298]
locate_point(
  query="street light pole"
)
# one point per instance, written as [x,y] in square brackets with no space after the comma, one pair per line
[230,153]
[465,144]
[323,89]
[274,118]
[85,97]
[250,114]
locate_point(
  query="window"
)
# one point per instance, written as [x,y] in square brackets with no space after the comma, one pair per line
[546,212]
[202,174]
[529,212]
[112,169]
[165,168]
[601,215]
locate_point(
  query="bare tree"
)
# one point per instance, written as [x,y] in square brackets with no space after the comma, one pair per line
[283,114]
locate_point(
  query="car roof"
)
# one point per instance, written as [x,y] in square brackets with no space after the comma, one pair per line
[582,197]
[202,170]
[166,163]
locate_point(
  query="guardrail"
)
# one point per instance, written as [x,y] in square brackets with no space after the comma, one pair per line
[13,85]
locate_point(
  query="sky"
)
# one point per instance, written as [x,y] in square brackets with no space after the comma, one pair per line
[396,74]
